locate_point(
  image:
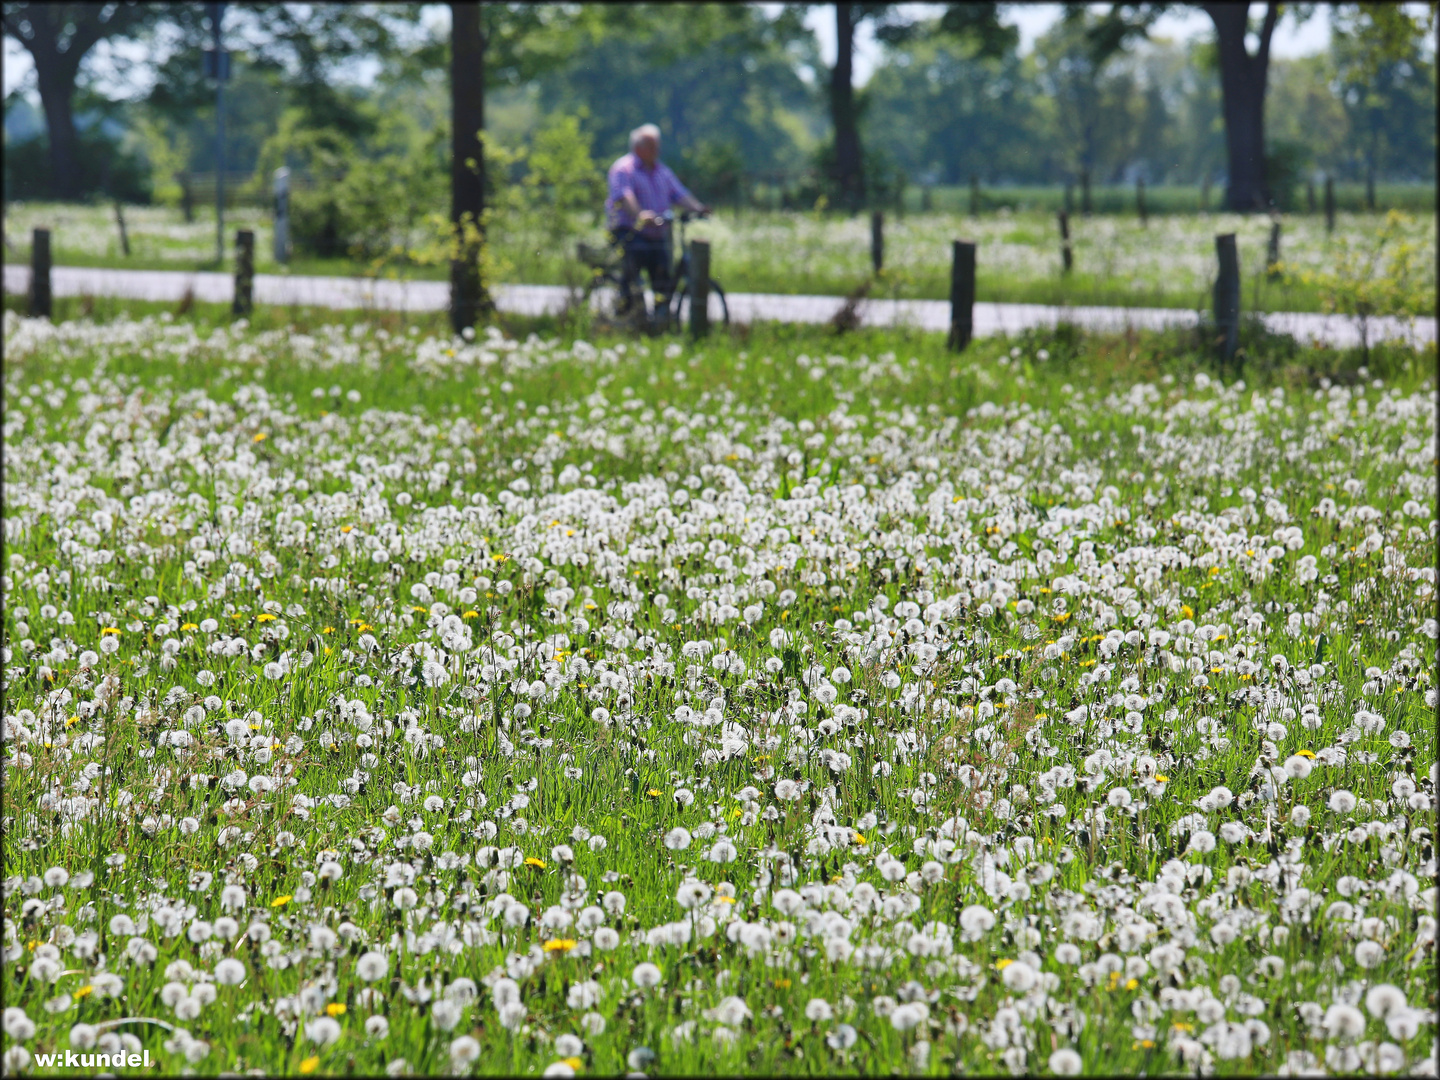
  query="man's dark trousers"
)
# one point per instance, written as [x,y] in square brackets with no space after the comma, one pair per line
[648,255]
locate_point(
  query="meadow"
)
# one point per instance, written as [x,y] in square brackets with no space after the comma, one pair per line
[384,701]
[1169,262]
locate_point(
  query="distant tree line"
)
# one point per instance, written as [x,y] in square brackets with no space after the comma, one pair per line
[741,93]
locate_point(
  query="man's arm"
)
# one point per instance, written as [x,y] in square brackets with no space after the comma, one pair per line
[680,195]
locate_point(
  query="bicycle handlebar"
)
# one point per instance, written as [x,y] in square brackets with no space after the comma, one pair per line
[686,216]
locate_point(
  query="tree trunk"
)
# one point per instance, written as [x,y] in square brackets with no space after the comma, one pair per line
[467,165]
[1242,85]
[849,172]
[57,92]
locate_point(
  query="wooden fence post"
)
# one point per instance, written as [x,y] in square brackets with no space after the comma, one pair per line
[40,294]
[962,295]
[244,272]
[699,288]
[1067,257]
[124,236]
[877,240]
[1329,203]
[1272,252]
[1140,202]
[1227,293]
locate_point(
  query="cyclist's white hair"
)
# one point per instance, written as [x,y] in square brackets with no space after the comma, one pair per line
[644,131]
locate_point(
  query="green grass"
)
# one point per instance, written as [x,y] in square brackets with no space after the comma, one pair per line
[161,472]
[1117,262]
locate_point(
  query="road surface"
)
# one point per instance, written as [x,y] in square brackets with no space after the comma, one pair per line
[353,293]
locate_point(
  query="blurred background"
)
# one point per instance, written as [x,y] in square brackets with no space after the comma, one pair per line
[789,118]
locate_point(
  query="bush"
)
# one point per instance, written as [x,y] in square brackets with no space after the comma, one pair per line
[347,202]
[883,178]
[107,170]
[1286,164]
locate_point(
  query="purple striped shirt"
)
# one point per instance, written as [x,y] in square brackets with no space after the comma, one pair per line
[654,189]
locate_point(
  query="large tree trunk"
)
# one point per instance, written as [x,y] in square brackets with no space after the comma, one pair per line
[849,171]
[57,91]
[467,166]
[1242,85]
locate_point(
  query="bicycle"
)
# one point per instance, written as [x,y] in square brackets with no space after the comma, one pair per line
[605,289]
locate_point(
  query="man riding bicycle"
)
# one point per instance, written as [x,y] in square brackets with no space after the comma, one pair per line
[642,191]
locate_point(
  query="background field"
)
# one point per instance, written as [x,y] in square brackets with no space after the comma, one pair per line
[1169,263]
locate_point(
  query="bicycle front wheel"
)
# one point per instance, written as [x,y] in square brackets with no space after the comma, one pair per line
[718,309]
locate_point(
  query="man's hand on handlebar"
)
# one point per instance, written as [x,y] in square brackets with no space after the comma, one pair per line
[647,218]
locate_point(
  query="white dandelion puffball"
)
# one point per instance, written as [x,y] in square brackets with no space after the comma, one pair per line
[1066,1062]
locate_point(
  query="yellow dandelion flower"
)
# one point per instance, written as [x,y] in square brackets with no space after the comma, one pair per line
[260,436]
[538,863]
[188,626]
[335,1008]
[309,1065]
[281,901]
[560,945]
[84,991]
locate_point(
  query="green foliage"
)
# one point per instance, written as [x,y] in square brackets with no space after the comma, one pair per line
[364,205]
[1385,275]
[109,169]
[714,170]
[1286,164]
[562,177]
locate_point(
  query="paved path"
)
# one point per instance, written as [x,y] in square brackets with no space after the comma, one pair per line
[351,293]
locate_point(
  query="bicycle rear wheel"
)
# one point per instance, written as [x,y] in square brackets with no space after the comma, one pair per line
[602,296]
[718,309]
